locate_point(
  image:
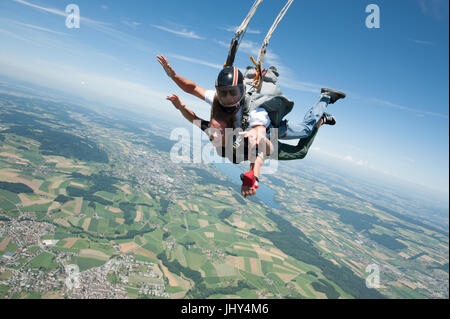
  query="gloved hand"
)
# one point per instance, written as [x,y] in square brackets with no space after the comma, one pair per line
[249,184]
[248,179]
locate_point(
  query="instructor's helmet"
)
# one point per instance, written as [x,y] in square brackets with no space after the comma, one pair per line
[230,88]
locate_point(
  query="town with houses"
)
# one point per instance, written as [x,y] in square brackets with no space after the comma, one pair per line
[94,283]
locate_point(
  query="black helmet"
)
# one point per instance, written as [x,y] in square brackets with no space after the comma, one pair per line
[230,82]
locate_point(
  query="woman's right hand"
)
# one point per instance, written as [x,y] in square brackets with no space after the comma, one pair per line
[176,102]
[252,137]
[167,67]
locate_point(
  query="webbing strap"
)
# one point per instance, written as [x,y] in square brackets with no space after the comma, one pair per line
[276,22]
[239,35]
[263,51]
[244,25]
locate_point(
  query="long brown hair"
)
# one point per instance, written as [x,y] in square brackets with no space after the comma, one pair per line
[219,115]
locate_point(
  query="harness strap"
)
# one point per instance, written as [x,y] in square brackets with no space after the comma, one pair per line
[262,54]
[240,32]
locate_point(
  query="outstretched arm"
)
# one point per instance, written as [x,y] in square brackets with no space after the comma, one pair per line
[256,137]
[186,85]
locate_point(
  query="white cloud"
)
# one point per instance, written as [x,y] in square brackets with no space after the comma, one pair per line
[98,87]
[287,76]
[31,35]
[362,163]
[412,161]
[99,26]
[300,86]
[183,33]
[347,158]
[14,36]
[437,9]
[132,24]
[408,109]
[120,37]
[422,42]
[45,9]
[196,61]
[234,29]
[123,38]
[34,27]
[57,12]
[252,48]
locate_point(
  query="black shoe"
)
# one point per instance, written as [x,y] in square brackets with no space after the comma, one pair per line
[335,95]
[328,119]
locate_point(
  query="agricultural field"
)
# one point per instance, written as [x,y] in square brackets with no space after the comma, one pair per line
[136,225]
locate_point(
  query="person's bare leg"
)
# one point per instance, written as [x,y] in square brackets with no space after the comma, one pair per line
[320,123]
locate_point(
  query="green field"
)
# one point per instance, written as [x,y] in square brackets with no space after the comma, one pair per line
[9,197]
[87,263]
[316,244]
[4,291]
[44,186]
[11,247]
[135,279]
[44,261]
[37,208]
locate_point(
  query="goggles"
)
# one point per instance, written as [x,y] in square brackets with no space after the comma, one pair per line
[229,96]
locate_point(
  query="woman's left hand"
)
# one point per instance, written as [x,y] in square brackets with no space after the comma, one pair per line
[176,102]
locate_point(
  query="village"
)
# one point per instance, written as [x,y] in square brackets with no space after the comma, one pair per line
[112,280]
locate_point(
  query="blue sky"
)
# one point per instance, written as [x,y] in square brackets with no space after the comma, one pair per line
[395,120]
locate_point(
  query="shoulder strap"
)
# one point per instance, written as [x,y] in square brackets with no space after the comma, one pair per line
[246,112]
[239,35]
[262,54]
